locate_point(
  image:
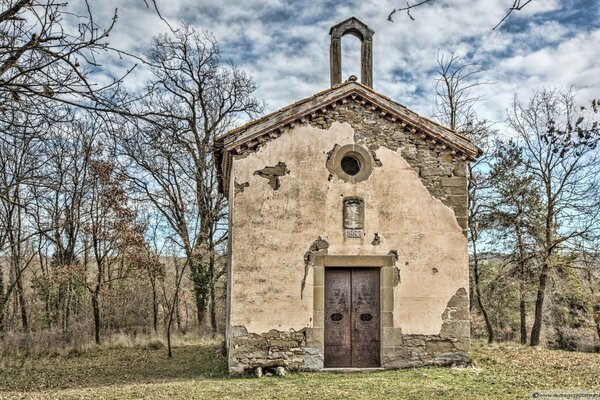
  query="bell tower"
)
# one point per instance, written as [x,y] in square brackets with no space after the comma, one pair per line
[354,27]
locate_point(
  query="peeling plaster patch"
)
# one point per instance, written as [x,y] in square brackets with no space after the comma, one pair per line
[376,240]
[239,187]
[319,246]
[456,317]
[273,173]
[395,254]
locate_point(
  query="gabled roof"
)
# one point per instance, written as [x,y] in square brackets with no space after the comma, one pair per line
[251,136]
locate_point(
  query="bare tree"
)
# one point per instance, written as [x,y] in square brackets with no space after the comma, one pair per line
[20,168]
[455,108]
[561,156]
[193,98]
[516,214]
[111,231]
[58,209]
[47,54]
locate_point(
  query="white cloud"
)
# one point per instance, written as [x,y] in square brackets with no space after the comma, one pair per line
[284,45]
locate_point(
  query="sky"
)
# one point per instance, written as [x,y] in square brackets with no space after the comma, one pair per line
[284,45]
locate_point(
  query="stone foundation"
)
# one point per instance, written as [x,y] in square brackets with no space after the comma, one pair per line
[303,350]
[273,349]
[288,350]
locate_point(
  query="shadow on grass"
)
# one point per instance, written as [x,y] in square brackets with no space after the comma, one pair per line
[113,366]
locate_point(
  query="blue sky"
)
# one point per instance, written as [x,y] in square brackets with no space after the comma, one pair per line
[284,45]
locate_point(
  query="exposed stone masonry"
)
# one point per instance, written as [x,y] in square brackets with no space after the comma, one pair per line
[442,172]
[293,350]
[272,174]
[272,349]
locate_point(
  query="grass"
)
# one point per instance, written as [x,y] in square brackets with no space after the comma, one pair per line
[503,371]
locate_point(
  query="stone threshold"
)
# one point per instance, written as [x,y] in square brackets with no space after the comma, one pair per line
[351,370]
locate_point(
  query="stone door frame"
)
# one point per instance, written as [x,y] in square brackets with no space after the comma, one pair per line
[315,337]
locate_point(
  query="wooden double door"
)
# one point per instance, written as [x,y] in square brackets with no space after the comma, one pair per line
[352,318]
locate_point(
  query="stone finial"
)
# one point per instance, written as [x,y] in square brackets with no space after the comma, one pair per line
[354,27]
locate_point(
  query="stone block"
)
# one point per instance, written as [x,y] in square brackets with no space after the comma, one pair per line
[436,347]
[318,300]
[398,337]
[456,181]
[387,337]
[318,319]
[456,329]
[410,341]
[463,345]
[460,170]
[387,297]
[318,276]
[314,338]
[387,319]
[313,358]
[283,343]
[458,200]
[238,331]
[387,277]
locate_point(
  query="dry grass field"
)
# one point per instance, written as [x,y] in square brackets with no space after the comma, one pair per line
[501,371]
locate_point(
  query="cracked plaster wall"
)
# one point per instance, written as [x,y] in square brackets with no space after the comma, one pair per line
[273,229]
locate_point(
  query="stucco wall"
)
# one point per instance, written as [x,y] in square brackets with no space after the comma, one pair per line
[272,230]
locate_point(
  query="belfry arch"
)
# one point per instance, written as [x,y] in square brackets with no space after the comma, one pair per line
[351,26]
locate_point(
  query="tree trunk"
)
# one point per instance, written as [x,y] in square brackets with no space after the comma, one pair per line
[596,320]
[213,305]
[1,314]
[471,291]
[200,314]
[595,304]
[539,304]
[2,301]
[59,305]
[172,311]
[522,311]
[47,308]
[200,278]
[96,310]
[486,317]
[22,302]
[154,308]
[67,308]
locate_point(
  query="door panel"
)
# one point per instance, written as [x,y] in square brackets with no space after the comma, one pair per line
[352,317]
[338,321]
[365,317]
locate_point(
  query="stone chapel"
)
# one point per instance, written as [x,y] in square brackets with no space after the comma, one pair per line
[348,224]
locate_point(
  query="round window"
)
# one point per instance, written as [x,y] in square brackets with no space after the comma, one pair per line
[350,165]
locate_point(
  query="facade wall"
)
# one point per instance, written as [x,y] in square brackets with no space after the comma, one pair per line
[286,213]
